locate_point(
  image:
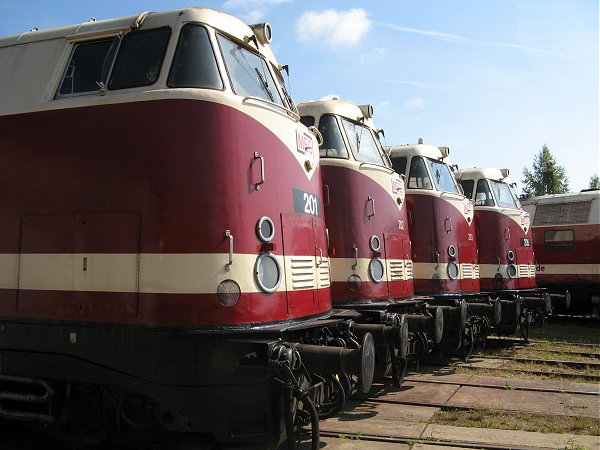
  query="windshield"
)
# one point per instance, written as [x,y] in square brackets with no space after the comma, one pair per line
[333,142]
[249,72]
[442,177]
[503,195]
[362,143]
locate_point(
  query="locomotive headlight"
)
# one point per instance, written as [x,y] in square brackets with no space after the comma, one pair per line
[354,282]
[228,293]
[375,243]
[512,271]
[451,251]
[265,229]
[452,270]
[376,270]
[267,272]
[510,255]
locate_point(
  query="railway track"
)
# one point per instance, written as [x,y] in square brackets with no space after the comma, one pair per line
[409,440]
[503,387]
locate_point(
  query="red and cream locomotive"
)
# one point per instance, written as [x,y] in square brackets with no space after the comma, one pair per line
[443,237]
[163,246]
[566,241]
[504,242]
[368,238]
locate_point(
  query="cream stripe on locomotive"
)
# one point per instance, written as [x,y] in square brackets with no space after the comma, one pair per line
[152,273]
[426,270]
[568,269]
[523,270]
[396,269]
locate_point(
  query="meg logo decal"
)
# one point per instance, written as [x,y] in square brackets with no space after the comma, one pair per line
[304,144]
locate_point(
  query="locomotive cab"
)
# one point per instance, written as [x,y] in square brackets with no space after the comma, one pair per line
[502,228]
[440,218]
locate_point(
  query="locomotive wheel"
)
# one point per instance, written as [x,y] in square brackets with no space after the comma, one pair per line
[466,343]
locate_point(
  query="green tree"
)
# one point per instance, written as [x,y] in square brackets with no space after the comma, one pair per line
[546,177]
[594,182]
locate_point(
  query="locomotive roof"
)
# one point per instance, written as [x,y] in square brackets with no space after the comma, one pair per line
[489,173]
[32,63]
[217,19]
[409,150]
[338,107]
[587,195]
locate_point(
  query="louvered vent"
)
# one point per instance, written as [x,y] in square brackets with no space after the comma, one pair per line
[467,270]
[303,272]
[409,270]
[559,213]
[324,279]
[523,271]
[396,269]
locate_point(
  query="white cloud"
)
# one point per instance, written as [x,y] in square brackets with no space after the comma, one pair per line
[251,11]
[434,34]
[372,56]
[533,50]
[415,103]
[334,28]
[329,97]
[251,4]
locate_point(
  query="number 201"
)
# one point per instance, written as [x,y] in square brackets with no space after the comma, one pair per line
[310,204]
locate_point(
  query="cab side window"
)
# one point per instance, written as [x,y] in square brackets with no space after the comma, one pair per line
[467,186]
[484,194]
[140,58]
[418,178]
[333,142]
[88,66]
[399,165]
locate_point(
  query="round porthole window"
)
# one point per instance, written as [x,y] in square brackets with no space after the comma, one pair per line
[375,243]
[452,270]
[376,270]
[265,229]
[267,272]
[451,251]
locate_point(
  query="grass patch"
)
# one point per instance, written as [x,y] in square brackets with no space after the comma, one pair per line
[574,333]
[504,420]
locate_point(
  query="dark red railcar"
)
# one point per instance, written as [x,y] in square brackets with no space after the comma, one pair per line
[566,241]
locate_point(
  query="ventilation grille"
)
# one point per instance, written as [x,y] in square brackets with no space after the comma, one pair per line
[324,278]
[476,272]
[396,269]
[409,270]
[303,272]
[467,271]
[523,271]
[559,213]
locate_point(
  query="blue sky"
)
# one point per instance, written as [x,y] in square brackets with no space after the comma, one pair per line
[494,80]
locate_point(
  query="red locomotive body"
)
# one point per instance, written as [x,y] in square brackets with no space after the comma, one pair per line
[503,230]
[369,244]
[566,241]
[162,234]
[440,219]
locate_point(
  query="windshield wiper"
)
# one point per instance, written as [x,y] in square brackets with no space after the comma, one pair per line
[263,81]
